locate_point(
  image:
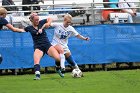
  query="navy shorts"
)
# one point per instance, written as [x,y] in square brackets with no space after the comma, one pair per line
[43,48]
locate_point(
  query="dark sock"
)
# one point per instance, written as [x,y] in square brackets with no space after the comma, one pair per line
[57,63]
[71,61]
[36,67]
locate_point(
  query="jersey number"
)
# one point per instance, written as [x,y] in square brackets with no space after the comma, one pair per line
[63,37]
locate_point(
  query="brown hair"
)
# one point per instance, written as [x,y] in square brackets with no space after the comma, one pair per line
[32,15]
[2,11]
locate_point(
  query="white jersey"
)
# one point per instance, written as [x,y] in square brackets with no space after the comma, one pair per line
[126,5]
[61,34]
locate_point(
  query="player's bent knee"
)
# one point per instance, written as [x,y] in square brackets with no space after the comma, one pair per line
[61,51]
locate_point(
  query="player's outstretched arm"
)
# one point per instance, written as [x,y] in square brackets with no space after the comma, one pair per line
[14,29]
[82,37]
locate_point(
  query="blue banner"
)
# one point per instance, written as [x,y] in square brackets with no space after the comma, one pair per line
[108,43]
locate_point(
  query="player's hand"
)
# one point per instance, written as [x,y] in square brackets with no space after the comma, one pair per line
[133,14]
[87,38]
[39,31]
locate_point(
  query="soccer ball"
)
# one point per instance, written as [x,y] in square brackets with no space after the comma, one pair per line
[77,73]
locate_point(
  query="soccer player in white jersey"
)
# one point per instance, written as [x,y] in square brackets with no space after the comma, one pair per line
[62,31]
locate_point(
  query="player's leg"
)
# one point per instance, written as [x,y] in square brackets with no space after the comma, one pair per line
[60,50]
[130,18]
[37,56]
[54,53]
[137,17]
[70,60]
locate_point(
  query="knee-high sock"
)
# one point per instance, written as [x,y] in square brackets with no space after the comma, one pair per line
[57,63]
[71,61]
[37,68]
[62,56]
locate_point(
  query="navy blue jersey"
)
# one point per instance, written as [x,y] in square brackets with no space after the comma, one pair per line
[3,22]
[38,39]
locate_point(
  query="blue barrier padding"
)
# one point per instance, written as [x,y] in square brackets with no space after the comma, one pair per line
[108,43]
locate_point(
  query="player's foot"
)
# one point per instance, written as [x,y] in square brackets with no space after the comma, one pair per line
[37,75]
[76,67]
[37,78]
[63,71]
[58,70]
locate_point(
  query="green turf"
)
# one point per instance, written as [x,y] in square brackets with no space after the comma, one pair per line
[126,81]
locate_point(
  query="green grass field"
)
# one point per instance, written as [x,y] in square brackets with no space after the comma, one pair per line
[124,81]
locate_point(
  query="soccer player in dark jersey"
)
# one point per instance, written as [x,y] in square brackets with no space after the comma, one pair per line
[42,44]
[4,22]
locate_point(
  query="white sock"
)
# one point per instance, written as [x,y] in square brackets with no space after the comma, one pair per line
[76,67]
[37,72]
[62,56]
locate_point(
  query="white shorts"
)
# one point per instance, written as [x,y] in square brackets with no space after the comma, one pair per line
[65,47]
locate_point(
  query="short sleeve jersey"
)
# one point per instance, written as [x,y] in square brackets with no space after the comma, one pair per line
[38,39]
[61,34]
[3,22]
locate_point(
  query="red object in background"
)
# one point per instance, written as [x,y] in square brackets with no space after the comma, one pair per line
[105,14]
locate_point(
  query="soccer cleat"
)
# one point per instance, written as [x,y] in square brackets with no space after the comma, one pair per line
[37,75]
[37,78]
[63,71]
[76,67]
[59,72]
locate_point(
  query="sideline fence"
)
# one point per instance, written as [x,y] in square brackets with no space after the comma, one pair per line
[108,43]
